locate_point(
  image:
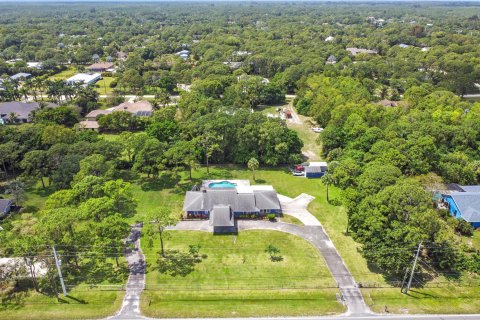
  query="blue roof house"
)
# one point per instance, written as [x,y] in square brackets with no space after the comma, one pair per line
[465,204]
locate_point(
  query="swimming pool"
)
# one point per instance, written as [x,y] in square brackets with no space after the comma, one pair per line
[222,184]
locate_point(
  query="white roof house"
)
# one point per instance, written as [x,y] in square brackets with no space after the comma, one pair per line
[34,65]
[84,78]
[329,39]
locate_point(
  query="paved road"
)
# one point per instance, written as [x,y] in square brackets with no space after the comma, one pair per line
[368,317]
[136,281]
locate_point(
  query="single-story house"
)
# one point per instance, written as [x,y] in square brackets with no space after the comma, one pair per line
[21,76]
[184,54]
[5,207]
[141,108]
[221,201]
[21,110]
[89,125]
[355,51]
[35,65]
[100,67]
[84,78]
[403,45]
[329,39]
[331,60]
[464,203]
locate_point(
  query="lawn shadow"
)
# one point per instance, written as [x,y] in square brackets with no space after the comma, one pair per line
[177,263]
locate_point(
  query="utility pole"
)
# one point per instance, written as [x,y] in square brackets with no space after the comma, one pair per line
[57,263]
[413,268]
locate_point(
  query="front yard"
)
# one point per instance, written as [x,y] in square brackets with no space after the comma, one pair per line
[236,277]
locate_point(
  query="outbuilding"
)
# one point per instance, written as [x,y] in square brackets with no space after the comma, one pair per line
[315,169]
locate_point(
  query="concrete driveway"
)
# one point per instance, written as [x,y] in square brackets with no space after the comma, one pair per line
[297,208]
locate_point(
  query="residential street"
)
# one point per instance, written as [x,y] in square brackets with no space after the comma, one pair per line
[136,281]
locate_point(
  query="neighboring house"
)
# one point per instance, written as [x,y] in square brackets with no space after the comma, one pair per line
[464,203]
[122,55]
[95,57]
[89,125]
[34,65]
[329,39]
[184,54]
[403,45]
[388,103]
[355,51]
[84,78]
[21,76]
[109,59]
[5,207]
[221,201]
[315,169]
[331,60]
[140,109]
[21,110]
[100,67]
[233,65]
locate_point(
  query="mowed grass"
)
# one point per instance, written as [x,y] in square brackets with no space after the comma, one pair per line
[450,299]
[153,193]
[236,277]
[65,74]
[103,85]
[82,303]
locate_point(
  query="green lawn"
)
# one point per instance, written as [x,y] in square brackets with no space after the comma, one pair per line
[153,193]
[237,278]
[450,299]
[82,303]
[103,86]
[70,71]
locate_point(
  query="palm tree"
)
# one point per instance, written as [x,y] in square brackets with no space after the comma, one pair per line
[253,165]
[327,180]
[24,92]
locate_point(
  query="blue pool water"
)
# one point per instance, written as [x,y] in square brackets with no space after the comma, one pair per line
[222,184]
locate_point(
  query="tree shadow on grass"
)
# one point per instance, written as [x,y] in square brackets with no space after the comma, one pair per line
[177,263]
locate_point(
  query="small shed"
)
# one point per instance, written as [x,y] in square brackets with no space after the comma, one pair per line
[315,169]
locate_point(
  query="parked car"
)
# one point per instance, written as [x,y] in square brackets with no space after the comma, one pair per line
[317,129]
[298,173]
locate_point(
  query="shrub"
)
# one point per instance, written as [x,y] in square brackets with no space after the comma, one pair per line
[271,216]
[464,228]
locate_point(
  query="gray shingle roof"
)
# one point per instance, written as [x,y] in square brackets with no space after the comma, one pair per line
[222,216]
[475,189]
[266,199]
[193,201]
[221,197]
[238,202]
[469,205]
[21,109]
